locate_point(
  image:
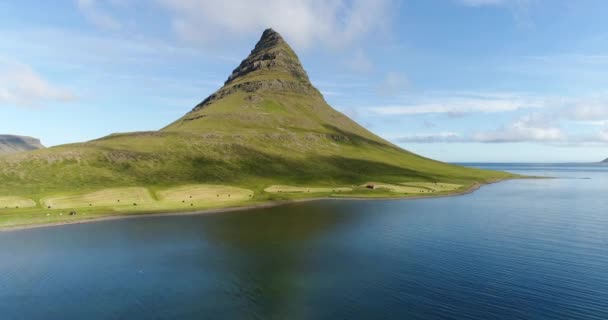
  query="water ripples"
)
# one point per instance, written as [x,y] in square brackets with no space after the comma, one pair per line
[530,249]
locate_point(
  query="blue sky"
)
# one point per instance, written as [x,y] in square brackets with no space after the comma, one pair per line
[456,80]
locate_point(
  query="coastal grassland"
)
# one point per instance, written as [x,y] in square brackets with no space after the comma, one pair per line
[125,201]
[16,202]
[112,197]
[159,171]
[398,188]
[253,162]
[434,186]
[304,189]
[416,187]
[195,194]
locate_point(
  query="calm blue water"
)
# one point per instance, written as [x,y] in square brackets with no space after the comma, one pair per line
[526,249]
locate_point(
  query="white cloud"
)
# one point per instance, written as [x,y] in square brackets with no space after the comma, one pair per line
[303,22]
[603,135]
[394,83]
[439,137]
[550,125]
[557,121]
[529,128]
[21,85]
[593,110]
[460,104]
[526,129]
[97,15]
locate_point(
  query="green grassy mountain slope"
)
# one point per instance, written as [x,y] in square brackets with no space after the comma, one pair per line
[267,126]
[268,93]
[11,144]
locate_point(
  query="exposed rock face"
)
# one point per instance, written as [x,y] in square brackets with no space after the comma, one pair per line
[12,144]
[271,53]
[270,94]
[271,65]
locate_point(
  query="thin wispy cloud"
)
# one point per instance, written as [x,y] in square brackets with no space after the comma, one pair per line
[56,44]
[393,84]
[587,67]
[437,137]
[544,125]
[96,15]
[461,104]
[20,85]
[530,128]
[333,23]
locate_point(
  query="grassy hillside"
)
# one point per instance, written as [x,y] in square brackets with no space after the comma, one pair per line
[267,132]
[167,159]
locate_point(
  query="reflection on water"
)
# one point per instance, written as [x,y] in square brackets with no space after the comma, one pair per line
[265,248]
[531,249]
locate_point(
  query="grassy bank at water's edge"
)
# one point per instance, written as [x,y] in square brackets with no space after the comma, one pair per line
[113,203]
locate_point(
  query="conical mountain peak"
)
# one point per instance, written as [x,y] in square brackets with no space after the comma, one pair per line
[271,67]
[272,58]
[266,128]
[269,94]
[269,39]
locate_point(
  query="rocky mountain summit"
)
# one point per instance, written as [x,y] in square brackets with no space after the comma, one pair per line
[270,97]
[271,66]
[271,53]
[12,144]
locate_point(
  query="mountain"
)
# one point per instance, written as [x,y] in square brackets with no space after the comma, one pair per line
[266,129]
[605,161]
[12,144]
[269,96]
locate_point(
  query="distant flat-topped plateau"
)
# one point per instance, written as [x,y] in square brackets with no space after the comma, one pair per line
[13,143]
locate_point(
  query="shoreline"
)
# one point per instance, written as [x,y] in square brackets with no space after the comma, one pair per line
[267,204]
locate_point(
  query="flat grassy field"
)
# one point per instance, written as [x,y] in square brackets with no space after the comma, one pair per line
[305,189]
[434,186]
[187,198]
[416,187]
[204,194]
[112,197]
[120,201]
[11,202]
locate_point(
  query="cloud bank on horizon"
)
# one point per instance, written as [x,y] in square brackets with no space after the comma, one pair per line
[445,78]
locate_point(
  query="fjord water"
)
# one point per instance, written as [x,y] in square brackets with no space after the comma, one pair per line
[522,249]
